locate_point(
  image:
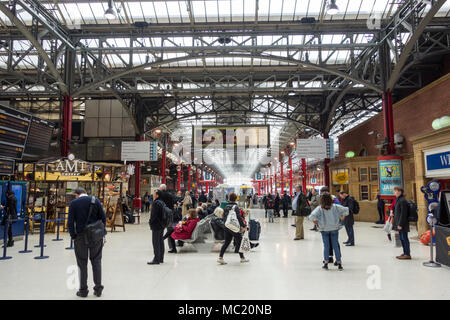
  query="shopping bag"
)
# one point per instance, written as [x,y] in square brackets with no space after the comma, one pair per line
[245,243]
[232,223]
[396,240]
[388,225]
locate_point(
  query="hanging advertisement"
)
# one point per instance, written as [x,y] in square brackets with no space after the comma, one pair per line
[339,176]
[390,169]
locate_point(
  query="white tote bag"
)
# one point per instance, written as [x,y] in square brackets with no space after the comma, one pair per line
[232,222]
[245,243]
[388,226]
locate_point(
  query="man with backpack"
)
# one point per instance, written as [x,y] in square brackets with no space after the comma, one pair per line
[349,220]
[401,221]
[84,211]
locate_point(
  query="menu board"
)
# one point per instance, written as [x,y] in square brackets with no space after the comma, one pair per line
[39,136]
[6,167]
[14,128]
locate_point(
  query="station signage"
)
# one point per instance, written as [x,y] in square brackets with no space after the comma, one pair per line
[135,151]
[312,148]
[69,167]
[14,128]
[225,136]
[437,162]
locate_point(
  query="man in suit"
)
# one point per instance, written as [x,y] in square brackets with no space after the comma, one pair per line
[77,222]
[349,220]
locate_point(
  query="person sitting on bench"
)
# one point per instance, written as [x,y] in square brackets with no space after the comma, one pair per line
[183,230]
[218,224]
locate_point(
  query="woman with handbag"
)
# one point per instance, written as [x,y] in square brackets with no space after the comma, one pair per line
[234,228]
[183,230]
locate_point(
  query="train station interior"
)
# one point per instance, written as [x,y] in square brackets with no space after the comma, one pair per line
[224,149]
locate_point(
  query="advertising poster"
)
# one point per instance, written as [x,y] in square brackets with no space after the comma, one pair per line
[390,175]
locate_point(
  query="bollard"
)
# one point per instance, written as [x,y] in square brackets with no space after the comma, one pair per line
[40,227]
[57,228]
[27,227]
[5,242]
[41,239]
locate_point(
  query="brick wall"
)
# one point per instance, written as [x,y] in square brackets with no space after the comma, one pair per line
[412,116]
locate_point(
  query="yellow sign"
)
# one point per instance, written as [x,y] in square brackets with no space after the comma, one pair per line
[340,178]
[448,241]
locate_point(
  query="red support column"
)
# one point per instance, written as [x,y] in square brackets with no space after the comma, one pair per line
[163,163]
[326,169]
[196,182]
[179,179]
[189,178]
[137,179]
[290,174]
[276,188]
[388,117]
[281,175]
[66,133]
[304,174]
[271,185]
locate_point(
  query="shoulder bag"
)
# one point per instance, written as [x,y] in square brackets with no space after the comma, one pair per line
[232,223]
[95,231]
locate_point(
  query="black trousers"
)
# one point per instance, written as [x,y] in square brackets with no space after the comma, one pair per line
[381,213]
[147,206]
[237,242]
[10,236]
[285,211]
[94,253]
[158,245]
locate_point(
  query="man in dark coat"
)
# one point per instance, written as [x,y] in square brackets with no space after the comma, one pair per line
[300,203]
[11,214]
[157,226]
[202,198]
[77,221]
[401,222]
[285,202]
[380,208]
[349,220]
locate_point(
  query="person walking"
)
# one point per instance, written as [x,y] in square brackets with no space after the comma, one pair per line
[327,217]
[79,218]
[314,202]
[230,235]
[380,208]
[157,226]
[147,201]
[277,205]
[349,220]
[300,203]
[401,222]
[11,214]
[285,202]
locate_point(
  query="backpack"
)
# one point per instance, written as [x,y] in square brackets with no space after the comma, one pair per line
[270,204]
[412,211]
[356,206]
[232,222]
[167,216]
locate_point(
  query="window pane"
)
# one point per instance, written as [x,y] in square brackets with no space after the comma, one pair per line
[364,192]
[363,175]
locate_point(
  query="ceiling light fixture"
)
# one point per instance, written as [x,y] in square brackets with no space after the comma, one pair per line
[110,13]
[332,8]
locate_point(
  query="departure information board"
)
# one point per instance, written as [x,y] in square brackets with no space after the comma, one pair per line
[14,128]
[6,167]
[39,136]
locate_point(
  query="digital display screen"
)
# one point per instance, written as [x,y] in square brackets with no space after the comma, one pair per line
[14,128]
[39,136]
[6,167]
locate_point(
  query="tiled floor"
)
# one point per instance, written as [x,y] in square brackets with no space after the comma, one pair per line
[279,268]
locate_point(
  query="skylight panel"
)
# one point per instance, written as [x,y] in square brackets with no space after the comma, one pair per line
[198,8]
[173,10]
[160,11]
[237,10]
[136,13]
[288,9]
[224,10]
[249,10]
[263,8]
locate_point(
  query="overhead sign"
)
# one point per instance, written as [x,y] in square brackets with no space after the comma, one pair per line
[312,148]
[135,151]
[14,128]
[258,176]
[6,167]
[153,151]
[437,162]
[390,169]
[39,136]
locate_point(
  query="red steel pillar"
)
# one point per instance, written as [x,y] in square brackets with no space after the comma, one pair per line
[276,188]
[304,174]
[189,178]
[290,174]
[388,117]
[326,168]
[271,185]
[66,133]
[179,179]
[163,163]
[281,174]
[196,182]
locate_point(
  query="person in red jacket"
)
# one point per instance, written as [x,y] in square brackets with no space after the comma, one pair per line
[184,229]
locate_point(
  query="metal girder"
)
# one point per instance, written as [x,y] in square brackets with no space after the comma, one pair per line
[415,35]
[37,45]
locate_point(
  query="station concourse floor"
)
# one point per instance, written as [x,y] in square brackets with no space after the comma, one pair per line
[279,268]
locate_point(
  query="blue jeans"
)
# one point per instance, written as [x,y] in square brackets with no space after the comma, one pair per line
[327,238]
[405,242]
[350,234]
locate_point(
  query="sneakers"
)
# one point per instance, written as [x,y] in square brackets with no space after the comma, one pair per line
[325,266]
[221,261]
[243,260]
[340,268]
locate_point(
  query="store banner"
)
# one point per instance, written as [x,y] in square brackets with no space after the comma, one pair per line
[339,177]
[443,245]
[437,162]
[390,169]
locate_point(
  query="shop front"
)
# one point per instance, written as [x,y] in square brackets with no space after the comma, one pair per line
[432,162]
